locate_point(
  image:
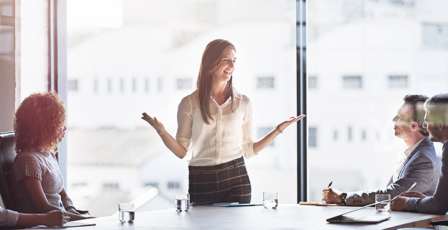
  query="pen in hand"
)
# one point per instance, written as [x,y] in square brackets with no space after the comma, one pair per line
[330,184]
[412,186]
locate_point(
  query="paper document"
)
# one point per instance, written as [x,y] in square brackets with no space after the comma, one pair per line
[70,224]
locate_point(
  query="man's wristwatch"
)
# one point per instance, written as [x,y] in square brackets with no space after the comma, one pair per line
[342,197]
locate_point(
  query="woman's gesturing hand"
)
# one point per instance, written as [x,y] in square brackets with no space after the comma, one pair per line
[158,126]
[282,126]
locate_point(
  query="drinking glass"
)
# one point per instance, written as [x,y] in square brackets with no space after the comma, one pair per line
[182,202]
[383,206]
[270,200]
[126,212]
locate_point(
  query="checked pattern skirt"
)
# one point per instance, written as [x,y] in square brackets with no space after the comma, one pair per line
[226,182]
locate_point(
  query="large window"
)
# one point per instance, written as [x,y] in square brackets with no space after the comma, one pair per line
[382,50]
[144,56]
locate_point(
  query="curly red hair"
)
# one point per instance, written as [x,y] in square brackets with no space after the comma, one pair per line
[38,122]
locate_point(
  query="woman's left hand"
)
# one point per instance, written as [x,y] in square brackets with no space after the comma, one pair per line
[282,126]
[72,210]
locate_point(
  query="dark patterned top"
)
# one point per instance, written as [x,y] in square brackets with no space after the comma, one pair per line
[437,203]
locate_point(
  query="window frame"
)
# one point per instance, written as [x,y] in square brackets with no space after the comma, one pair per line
[302,126]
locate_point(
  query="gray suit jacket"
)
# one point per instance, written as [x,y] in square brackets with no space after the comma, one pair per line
[422,166]
[437,203]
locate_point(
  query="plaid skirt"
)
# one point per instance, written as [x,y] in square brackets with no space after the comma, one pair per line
[226,182]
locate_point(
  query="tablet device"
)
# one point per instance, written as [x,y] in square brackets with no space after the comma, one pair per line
[358,219]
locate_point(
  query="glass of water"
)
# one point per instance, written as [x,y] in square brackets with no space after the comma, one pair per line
[270,200]
[182,202]
[126,212]
[383,206]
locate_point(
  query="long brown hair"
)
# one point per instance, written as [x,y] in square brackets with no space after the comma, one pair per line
[210,60]
[38,122]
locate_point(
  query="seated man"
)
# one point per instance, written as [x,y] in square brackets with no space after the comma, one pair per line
[436,121]
[419,163]
[12,218]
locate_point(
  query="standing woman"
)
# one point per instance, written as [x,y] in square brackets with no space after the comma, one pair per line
[39,185]
[215,126]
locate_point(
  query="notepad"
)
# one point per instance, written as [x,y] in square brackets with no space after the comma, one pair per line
[235,205]
[70,224]
[318,204]
[230,203]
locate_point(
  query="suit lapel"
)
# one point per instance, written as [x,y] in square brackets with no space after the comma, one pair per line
[406,163]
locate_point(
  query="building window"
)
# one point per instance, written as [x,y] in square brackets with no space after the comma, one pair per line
[312,82]
[349,133]
[95,86]
[79,184]
[109,85]
[364,135]
[173,185]
[265,82]
[72,85]
[184,83]
[435,35]
[312,135]
[352,82]
[147,85]
[397,81]
[160,84]
[262,131]
[121,85]
[335,135]
[134,85]
[111,186]
[152,184]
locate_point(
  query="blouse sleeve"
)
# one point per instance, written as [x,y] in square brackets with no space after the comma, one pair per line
[184,122]
[27,167]
[248,140]
[8,217]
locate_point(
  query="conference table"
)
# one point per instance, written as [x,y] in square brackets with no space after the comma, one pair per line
[286,216]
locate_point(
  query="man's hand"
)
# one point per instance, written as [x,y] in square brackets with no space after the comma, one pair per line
[412,194]
[331,196]
[399,203]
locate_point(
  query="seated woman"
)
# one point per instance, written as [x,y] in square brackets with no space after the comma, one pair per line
[39,185]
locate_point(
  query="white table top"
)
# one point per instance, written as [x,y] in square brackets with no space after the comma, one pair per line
[292,216]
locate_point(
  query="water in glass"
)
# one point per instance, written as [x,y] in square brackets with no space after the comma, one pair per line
[270,203]
[182,205]
[383,207]
[126,216]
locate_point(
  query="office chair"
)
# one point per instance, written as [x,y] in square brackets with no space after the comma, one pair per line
[7,155]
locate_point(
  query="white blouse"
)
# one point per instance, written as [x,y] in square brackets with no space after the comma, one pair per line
[228,137]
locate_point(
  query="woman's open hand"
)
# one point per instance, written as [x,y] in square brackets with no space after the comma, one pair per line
[282,126]
[157,125]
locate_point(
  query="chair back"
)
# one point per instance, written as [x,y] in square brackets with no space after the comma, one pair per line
[7,156]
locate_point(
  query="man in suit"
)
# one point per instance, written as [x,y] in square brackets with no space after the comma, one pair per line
[436,121]
[419,163]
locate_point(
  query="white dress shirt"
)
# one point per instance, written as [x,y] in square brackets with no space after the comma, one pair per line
[8,217]
[227,137]
[401,158]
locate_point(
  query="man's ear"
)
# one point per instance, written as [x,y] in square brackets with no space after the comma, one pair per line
[440,125]
[414,125]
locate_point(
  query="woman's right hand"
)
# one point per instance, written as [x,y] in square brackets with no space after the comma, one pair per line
[54,218]
[157,125]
